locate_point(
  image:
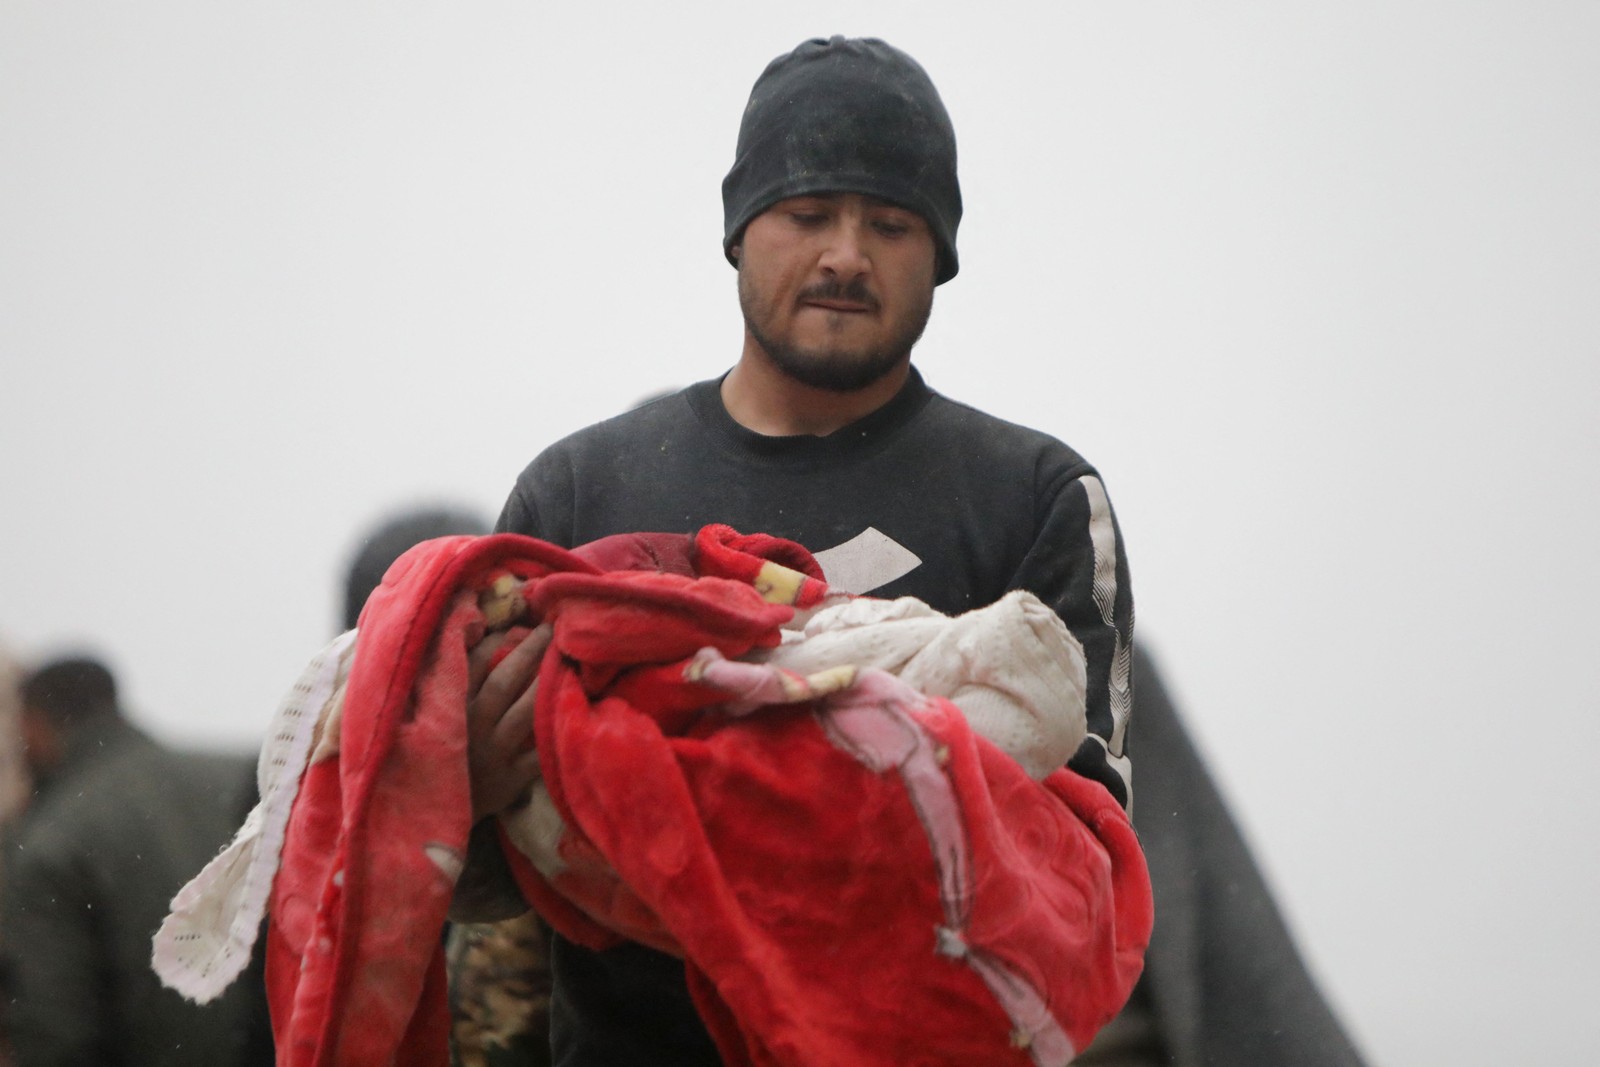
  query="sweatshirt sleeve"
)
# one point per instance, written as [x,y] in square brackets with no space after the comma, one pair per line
[1078,567]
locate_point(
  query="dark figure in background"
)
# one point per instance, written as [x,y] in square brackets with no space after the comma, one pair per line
[389,540]
[1224,983]
[118,824]
[15,789]
[14,793]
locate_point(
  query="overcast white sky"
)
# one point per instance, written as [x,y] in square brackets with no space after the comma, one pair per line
[1315,285]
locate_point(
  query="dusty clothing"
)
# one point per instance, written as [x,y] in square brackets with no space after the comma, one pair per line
[500,1000]
[89,875]
[924,497]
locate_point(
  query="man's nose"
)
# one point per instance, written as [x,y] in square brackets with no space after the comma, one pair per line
[845,256]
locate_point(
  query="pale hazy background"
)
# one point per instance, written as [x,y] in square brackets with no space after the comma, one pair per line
[1315,285]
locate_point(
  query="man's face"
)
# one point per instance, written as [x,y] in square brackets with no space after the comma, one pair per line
[836,288]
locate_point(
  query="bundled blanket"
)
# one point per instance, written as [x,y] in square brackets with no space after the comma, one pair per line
[851,874]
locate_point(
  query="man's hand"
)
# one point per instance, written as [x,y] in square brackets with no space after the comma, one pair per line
[501,759]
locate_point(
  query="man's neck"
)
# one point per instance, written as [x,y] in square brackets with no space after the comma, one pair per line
[762,398]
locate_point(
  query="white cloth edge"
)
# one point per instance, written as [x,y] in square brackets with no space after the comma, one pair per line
[206,940]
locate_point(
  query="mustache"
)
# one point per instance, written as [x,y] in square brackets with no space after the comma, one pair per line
[856,292]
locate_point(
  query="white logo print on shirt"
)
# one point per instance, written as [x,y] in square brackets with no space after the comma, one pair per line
[869,560]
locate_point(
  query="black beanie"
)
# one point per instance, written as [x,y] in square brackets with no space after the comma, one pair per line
[846,115]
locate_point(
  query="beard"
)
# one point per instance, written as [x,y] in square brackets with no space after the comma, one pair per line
[835,369]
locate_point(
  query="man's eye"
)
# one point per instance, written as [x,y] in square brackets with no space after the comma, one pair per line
[808,218]
[891,229]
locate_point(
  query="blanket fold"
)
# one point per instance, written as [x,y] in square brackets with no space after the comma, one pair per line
[850,873]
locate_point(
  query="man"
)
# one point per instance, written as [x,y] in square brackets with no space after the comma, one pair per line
[841,212]
[118,824]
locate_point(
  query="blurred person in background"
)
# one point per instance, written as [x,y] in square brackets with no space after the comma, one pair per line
[117,823]
[387,541]
[1223,982]
[13,790]
[14,784]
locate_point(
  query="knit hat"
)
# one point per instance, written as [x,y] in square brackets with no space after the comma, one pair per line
[846,115]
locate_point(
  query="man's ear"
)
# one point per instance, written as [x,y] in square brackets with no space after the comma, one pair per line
[734,251]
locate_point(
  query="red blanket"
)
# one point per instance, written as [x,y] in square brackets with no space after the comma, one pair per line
[851,878]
